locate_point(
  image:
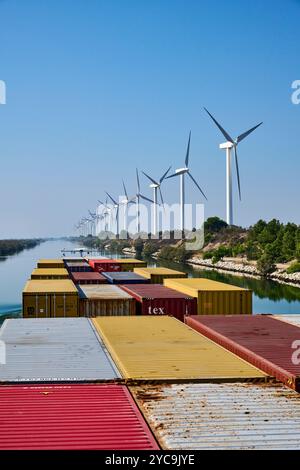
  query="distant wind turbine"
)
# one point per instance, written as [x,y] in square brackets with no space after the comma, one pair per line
[125,203]
[116,206]
[182,172]
[228,145]
[156,186]
[136,199]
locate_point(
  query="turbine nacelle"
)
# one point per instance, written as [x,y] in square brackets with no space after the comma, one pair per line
[226,145]
[181,171]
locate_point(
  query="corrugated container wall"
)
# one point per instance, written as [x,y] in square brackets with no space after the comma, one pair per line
[106,299]
[263,341]
[72,417]
[54,350]
[155,299]
[50,273]
[88,278]
[127,277]
[50,298]
[221,416]
[157,275]
[104,265]
[214,298]
[50,263]
[163,348]
[78,267]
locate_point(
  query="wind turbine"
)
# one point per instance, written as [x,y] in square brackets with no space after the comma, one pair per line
[156,186]
[93,223]
[228,146]
[182,172]
[116,206]
[136,199]
[106,214]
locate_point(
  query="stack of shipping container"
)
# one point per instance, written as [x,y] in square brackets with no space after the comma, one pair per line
[148,382]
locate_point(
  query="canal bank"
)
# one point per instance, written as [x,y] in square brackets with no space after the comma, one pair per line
[268,296]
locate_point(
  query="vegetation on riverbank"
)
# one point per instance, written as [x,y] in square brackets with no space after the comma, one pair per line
[12,247]
[265,244]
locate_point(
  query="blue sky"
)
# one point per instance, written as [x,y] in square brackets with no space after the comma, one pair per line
[96,88]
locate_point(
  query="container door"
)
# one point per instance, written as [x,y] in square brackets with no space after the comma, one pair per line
[64,305]
[36,306]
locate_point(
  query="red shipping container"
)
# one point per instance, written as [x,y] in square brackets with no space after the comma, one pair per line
[265,342]
[104,265]
[83,417]
[88,278]
[155,299]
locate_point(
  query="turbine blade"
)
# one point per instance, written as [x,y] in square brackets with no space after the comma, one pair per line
[149,178]
[164,175]
[124,187]
[132,200]
[138,180]
[193,179]
[172,176]
[237,171]
[225,134]
[188,151]
[161,196]
[111,198]
[100,202]
[245,134]
[146,198]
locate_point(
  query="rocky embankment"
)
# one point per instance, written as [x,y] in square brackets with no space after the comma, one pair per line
[245,269]
[238,268]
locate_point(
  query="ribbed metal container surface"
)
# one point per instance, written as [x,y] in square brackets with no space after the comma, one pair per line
[163,348]
[54,349]
[99,417]
[222,416]
[125,277]
[261,340]
[292,319]
[214,298]
[88,278]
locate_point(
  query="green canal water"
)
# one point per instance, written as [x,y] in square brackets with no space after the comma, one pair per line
[269,296]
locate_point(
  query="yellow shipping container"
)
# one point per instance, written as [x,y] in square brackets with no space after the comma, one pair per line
[50,298]
[163,348]
[50,273]
[50,263]
[157,275]
[214,298]
[128,264]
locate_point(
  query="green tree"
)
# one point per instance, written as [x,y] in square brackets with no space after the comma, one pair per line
[214,224]
[289,242]
[138,245]
[265,264]
[297,238]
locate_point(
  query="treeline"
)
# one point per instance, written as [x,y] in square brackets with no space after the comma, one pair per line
[268,243]
[12,247]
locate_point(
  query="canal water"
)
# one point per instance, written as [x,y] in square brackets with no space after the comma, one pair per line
[269,296]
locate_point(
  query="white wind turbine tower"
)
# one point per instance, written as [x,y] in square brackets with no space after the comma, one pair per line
[136,199]
[106,213]
[116,207]
[156,187]
[93,221]
[228,146]
[125,203]
[182,172]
